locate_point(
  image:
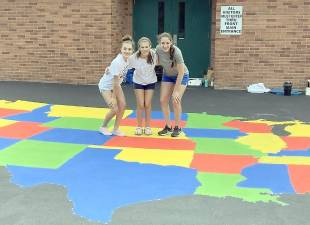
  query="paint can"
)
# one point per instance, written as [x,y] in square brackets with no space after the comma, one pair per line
[287,88]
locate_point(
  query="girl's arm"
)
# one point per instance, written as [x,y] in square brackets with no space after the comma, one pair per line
[178,82]
[176,90]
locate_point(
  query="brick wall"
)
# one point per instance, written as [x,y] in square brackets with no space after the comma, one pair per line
[59,41]
[274,46]
[122,21]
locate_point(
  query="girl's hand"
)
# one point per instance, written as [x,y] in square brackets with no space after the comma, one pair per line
[106,70]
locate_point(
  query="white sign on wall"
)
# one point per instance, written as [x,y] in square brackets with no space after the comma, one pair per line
[231,20]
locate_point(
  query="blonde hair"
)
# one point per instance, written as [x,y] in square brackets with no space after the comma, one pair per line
[165,34]
[144,39]
[150,57]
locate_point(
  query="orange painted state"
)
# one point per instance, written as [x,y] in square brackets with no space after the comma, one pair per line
[297,143]
[154,123]
[21,130]
[10,112]
[300,178]
[214,163]
[249,127]
[151,143]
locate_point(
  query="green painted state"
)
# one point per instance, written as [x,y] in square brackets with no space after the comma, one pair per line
[224,146]
[224,185]
[39,154]
[75,123]
[204,120]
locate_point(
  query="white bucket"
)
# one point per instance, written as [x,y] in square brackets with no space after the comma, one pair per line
[308,91]
[195,82]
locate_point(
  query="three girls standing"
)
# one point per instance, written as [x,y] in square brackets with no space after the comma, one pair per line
[173,85]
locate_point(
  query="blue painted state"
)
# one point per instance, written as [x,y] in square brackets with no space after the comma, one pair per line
[39,115]
[292,153]
[98,184]
[212,133]
[157,115]
[271,176]
[6,142]
[75,136]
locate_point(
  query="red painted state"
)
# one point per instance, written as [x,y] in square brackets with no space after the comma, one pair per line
[297,143]
[229,164]
[10,112]
[21,130]
[300,178]
[249,127]
[154,123]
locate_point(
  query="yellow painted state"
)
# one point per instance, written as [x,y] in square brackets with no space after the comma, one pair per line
[21,105]
[180,158]
[286,160]
[130,132]
[299,130]
[4,122]
[80,111]
[266,143]
[272,123]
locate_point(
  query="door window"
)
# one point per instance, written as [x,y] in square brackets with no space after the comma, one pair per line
[161,17]
[181,22]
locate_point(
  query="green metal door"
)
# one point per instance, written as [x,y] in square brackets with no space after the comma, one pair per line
[189,21]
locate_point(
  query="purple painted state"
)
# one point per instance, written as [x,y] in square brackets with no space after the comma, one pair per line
[6,142]
[98,184]
[39,115]
[212,133]
[271,176]
[74,136]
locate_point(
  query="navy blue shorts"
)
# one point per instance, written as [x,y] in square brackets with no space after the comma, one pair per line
[173,79]
[144,87]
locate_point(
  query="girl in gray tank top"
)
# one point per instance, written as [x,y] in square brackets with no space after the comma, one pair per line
[173,84]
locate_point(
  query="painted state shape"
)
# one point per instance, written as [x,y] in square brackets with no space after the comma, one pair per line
[271,176]
[74,136]
[98,184]
[39,115]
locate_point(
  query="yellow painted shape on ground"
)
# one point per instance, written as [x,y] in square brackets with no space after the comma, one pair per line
[80,111]
[157,156]
[21,105]
[287,160]
[104,147]
[272,123]
[300,130]
[266,143]
[130,132]
[4,122]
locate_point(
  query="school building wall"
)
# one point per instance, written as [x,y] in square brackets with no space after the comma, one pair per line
[60,41]
[274,46]
[72,41]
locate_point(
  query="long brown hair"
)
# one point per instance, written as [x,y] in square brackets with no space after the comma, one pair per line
[149,59]
[172,49]
[128,39]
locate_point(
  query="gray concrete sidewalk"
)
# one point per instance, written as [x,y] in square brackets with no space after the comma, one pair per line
[48,204]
